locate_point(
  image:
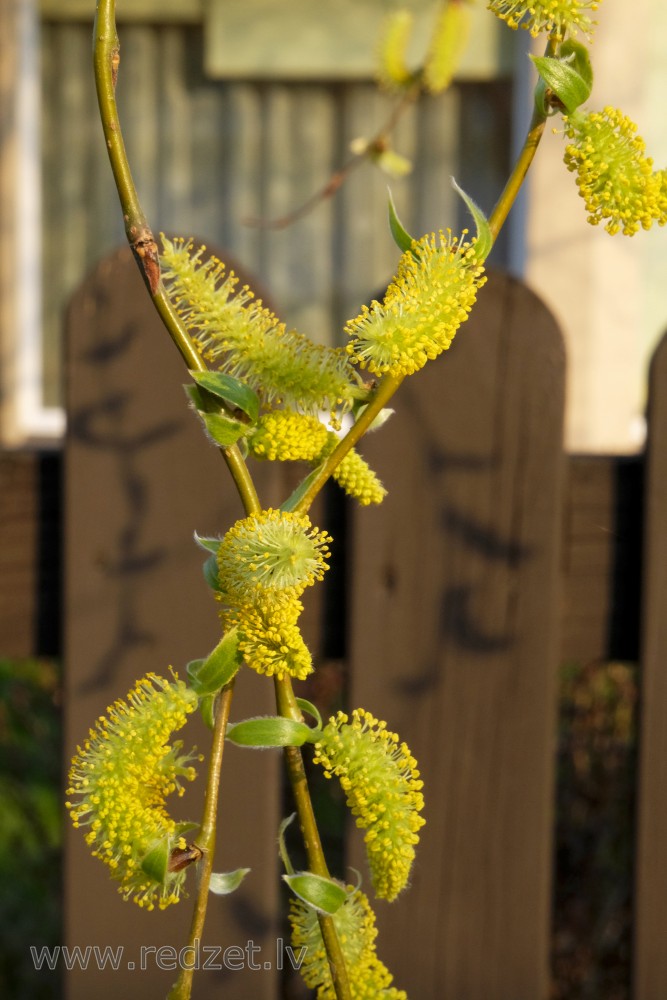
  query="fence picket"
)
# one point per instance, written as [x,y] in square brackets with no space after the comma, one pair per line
[454,643]
[650,958]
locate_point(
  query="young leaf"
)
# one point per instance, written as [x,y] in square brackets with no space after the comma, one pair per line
[292,500]
[221,429]
[484,238]
[282,846]
[235,394]
[270,731]
[207,544]
[207,710]
[310,709]
[154,863]
[564,80]
[578,56]
[209,675]
[324,894]
[402,237]
[211,573]
[222,883]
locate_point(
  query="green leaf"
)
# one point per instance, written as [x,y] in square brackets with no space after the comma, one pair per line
[564,80]
[379,420]
[301,489]
[324,894]
[270,731]
[222,883]
[484,238]
[235,394]
[209,675]
[207,544]
[207,710]
[211,573]
[310,709]
[402,237]
[182,828]
[282,846]
[579,58]
[154,862]
[221,429]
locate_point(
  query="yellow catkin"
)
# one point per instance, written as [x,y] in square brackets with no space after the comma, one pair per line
[284,435]
[381,781]
[556,17]
[614,176]
[265,562]
[448,43]
[355,925]
[431,296]
[120,778]
[392,71]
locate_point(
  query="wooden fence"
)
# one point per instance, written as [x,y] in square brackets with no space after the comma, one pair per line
[454,628]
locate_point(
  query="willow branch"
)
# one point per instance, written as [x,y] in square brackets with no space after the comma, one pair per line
[518,175]
[106,61]
[287,706]
[206,840]
[523,162]
[106,58]
[374,148]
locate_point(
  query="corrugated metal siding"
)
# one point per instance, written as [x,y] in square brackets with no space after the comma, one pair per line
[208,155]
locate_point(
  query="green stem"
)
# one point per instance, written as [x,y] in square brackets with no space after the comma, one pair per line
[523,163]
[182,988]
[385,390]
[518,175]
[287,706]
[106,60]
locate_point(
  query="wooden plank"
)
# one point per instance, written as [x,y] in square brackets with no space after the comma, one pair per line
[587,559]
[19,529]
[455,644]
[650,960]
[140,478]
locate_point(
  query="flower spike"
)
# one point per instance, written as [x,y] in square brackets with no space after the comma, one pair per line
[250,343]
[355,925]
[555,17]
[614,177]
[286,435]
[431,295]
[119,781]
[380,779]
[274,555]
[265,562]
